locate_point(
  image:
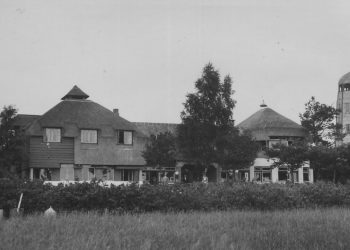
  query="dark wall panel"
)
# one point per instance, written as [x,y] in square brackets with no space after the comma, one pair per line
[51,155]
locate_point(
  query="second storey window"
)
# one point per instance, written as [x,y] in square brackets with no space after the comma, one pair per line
[88,136]
[52,135]
[347,108]
[125,137]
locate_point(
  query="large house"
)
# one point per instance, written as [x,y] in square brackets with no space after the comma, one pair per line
[269,128]
[80,140]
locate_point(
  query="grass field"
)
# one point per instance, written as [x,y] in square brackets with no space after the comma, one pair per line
[297,229]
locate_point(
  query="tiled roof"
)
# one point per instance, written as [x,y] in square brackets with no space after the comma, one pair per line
[146,129]
[267,122]
[22,120]
[81,114]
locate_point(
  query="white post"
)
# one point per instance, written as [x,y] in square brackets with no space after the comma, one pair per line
[19,203]
[274,175]
[140,177]
[311,175]
[31,174]
[300,175]
[251,173]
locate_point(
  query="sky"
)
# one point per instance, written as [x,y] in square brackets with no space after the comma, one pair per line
[143,57]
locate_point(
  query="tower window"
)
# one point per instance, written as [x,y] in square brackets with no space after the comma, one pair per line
[347,108]
[347,128]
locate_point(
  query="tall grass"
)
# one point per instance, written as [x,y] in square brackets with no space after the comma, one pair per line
[295,229]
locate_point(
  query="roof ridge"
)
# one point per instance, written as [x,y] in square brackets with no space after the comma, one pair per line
[155,123]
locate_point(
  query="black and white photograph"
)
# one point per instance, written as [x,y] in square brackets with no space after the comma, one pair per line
[198,124]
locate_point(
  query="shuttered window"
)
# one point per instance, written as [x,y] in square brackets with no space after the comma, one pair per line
[52,135]
[125,137]
[88,136]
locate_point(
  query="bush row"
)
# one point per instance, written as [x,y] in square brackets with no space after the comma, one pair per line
[180,197]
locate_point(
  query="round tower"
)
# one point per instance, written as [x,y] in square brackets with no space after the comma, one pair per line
[343,106]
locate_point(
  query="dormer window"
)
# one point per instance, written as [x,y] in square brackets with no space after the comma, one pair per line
[88,136]
[124,137]
[52,135]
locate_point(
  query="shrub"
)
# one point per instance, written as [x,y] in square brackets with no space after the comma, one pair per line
[37,197]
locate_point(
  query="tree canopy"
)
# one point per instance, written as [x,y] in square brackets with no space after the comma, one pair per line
[12,152]
[161,150]
[207,134]
[291,156]
[319,120]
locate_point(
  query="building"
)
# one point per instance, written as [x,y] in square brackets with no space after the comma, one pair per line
[269,128]
[343,107]
[80,140]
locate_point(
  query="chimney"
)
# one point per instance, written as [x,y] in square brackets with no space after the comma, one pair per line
[116,112]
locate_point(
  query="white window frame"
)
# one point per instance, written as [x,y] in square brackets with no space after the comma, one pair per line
[88,136]
[49,137]
[123,142]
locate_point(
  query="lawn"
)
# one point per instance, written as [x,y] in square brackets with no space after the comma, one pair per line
[295,229]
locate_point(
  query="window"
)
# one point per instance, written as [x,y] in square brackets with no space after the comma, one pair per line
[262,174]
[306,174]
[88,136]
[128,175]
[283,174]
[347,128]
[52,135]
[91,174]
[78,175]
[347,108]
[276,142]
[125,137]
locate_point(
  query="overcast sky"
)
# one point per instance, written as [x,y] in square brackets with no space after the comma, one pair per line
[143,57]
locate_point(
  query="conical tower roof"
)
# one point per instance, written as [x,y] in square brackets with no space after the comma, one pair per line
[266,123]
[75,93]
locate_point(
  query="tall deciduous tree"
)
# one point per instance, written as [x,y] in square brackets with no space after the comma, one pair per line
[12,152]
[207,134]
[161,150]
[319,120]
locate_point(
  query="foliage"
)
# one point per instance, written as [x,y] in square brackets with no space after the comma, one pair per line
[176,198]
[319,120]
[292,156]
[12,154]
[207,120]
[161,150]
[236,149]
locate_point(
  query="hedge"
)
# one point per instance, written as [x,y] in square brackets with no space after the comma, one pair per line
[179,197]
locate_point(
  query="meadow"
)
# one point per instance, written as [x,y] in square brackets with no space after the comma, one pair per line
[290,229]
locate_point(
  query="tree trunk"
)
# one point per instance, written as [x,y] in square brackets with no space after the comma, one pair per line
[334,175]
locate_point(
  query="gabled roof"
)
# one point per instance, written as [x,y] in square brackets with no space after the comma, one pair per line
[266,122]
[75,93]
[22,120]
[146,129]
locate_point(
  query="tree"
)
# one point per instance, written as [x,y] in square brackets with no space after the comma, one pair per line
[292,156]
[319,120]
[207,134]
[12,154]
[161,150]
[237,149]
